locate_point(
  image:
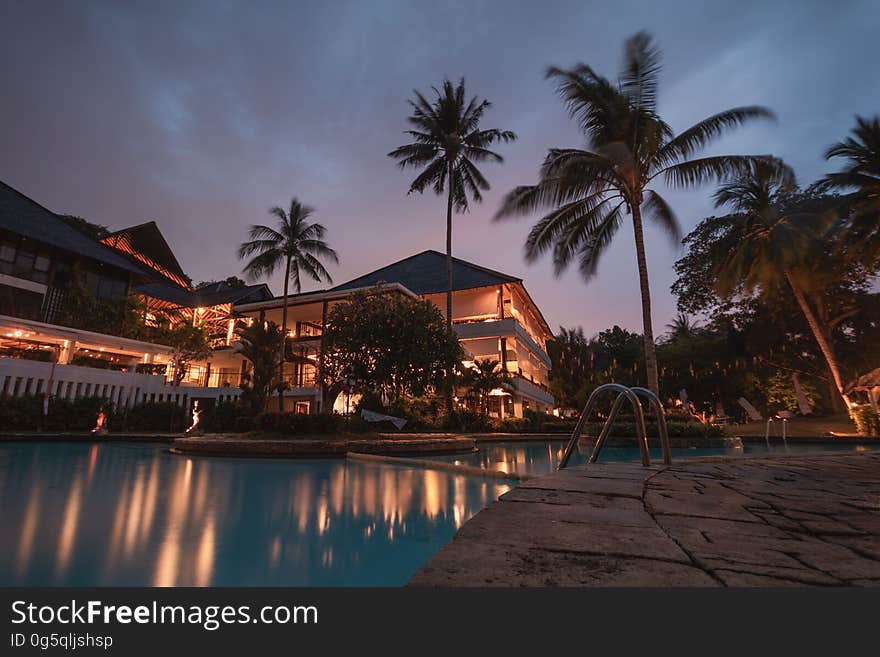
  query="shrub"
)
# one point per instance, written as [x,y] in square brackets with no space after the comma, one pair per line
[150,416]
[323,424]
[223,417]
[867,421]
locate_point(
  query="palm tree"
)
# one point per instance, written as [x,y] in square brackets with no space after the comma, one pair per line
[447,144]
[769,245]
[258,342]
[862,174]
[682,327]
[483,377]
[299,246]
[629,147]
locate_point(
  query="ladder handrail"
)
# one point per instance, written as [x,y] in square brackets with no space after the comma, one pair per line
[623,393]
[631,394]
[662,429]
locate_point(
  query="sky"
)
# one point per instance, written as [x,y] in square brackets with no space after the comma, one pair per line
[202,115]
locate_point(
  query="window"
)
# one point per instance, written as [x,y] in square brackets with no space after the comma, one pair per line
[7,252]
[42,262]
[24,264]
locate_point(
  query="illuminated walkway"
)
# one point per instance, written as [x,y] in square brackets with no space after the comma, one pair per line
[742,521]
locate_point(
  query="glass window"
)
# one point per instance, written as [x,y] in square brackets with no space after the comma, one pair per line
[42,262]
[24,263]
[7,252]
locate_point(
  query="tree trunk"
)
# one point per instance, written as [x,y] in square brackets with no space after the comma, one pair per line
[824,344]
[449,279]
[653,382]
[283,339]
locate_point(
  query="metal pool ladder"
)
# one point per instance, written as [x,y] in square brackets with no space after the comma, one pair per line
[632,395]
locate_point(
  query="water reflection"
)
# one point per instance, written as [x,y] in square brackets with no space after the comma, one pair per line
[113,514]
[128,514]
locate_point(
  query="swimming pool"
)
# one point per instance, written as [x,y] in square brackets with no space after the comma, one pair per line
[132,514]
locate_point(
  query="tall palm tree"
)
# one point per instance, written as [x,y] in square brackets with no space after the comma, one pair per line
[769,245]
[629,147]
[447,144]
[861,174]
[297,245]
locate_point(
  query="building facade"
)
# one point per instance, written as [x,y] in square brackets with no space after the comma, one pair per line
[493,315]
[47,349]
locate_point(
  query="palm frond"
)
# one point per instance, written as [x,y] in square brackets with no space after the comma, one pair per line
[720,167]
[659,210]
[641,68]
[698,136]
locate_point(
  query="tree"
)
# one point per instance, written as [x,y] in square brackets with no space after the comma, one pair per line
[232,282]
[482,378]
[629,147]
[580,365]
[96,231]
[861,174]
[387,343]
[297,245]
[189,343]
[682,327]
[447,145]
[779,239]
[259,343]
[571,367]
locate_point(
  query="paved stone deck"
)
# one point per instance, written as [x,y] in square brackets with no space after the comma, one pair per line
[742,521]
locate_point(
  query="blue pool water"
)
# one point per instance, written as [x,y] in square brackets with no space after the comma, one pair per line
[129,514]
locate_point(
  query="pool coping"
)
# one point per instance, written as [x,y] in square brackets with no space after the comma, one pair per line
[750,520]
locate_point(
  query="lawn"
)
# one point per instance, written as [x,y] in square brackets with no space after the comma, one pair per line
[801,426]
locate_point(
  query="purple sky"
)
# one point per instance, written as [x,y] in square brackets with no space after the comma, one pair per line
[203,115]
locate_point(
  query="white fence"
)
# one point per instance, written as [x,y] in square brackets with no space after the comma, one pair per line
[20,377]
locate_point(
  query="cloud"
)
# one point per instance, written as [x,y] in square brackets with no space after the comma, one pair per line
[203,115]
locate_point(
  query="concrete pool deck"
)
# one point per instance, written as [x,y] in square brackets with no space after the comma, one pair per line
[783,520]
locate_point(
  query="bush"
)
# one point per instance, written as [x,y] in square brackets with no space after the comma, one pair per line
[243,424]
[315,424]
[223,417]
[150,416]
[420,413]
[867,421]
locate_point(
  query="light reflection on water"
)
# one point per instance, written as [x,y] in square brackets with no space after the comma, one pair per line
[133,514]
[118,514]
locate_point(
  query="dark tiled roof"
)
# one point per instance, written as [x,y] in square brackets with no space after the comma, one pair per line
[211,295]
[425,273]
[24,216]
[173,294]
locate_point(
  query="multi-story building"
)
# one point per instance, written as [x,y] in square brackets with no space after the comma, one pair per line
[44,350]
[493,316]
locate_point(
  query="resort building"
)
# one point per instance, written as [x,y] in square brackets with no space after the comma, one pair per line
[47,348]
[493,315]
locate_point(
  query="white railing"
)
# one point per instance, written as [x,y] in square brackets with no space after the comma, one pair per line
[20,377]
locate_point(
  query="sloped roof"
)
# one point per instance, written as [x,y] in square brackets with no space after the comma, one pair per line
[210,295]
[425,273]
[146,243]
[24,216]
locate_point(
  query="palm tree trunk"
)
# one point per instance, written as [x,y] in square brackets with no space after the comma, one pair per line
[449,279]
[283,339]
[824,345]
[648,328]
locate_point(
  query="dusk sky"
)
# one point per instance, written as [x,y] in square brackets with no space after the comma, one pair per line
[201,116]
